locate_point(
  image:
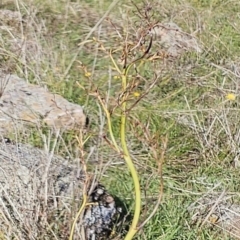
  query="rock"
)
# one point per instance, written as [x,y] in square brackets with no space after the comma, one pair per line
[35,187]
[174,39]
[22,104]
[102,214]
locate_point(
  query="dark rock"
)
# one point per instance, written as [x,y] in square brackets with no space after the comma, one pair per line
[101,214]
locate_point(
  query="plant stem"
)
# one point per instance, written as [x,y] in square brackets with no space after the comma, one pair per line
[133,229]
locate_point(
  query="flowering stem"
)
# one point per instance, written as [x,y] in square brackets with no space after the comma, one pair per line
[133,229]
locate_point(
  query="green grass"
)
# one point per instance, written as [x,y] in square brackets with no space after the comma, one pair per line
[187,104]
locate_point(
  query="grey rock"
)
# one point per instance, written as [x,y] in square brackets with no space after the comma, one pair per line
[174,39]
[23,104]
[34,184]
